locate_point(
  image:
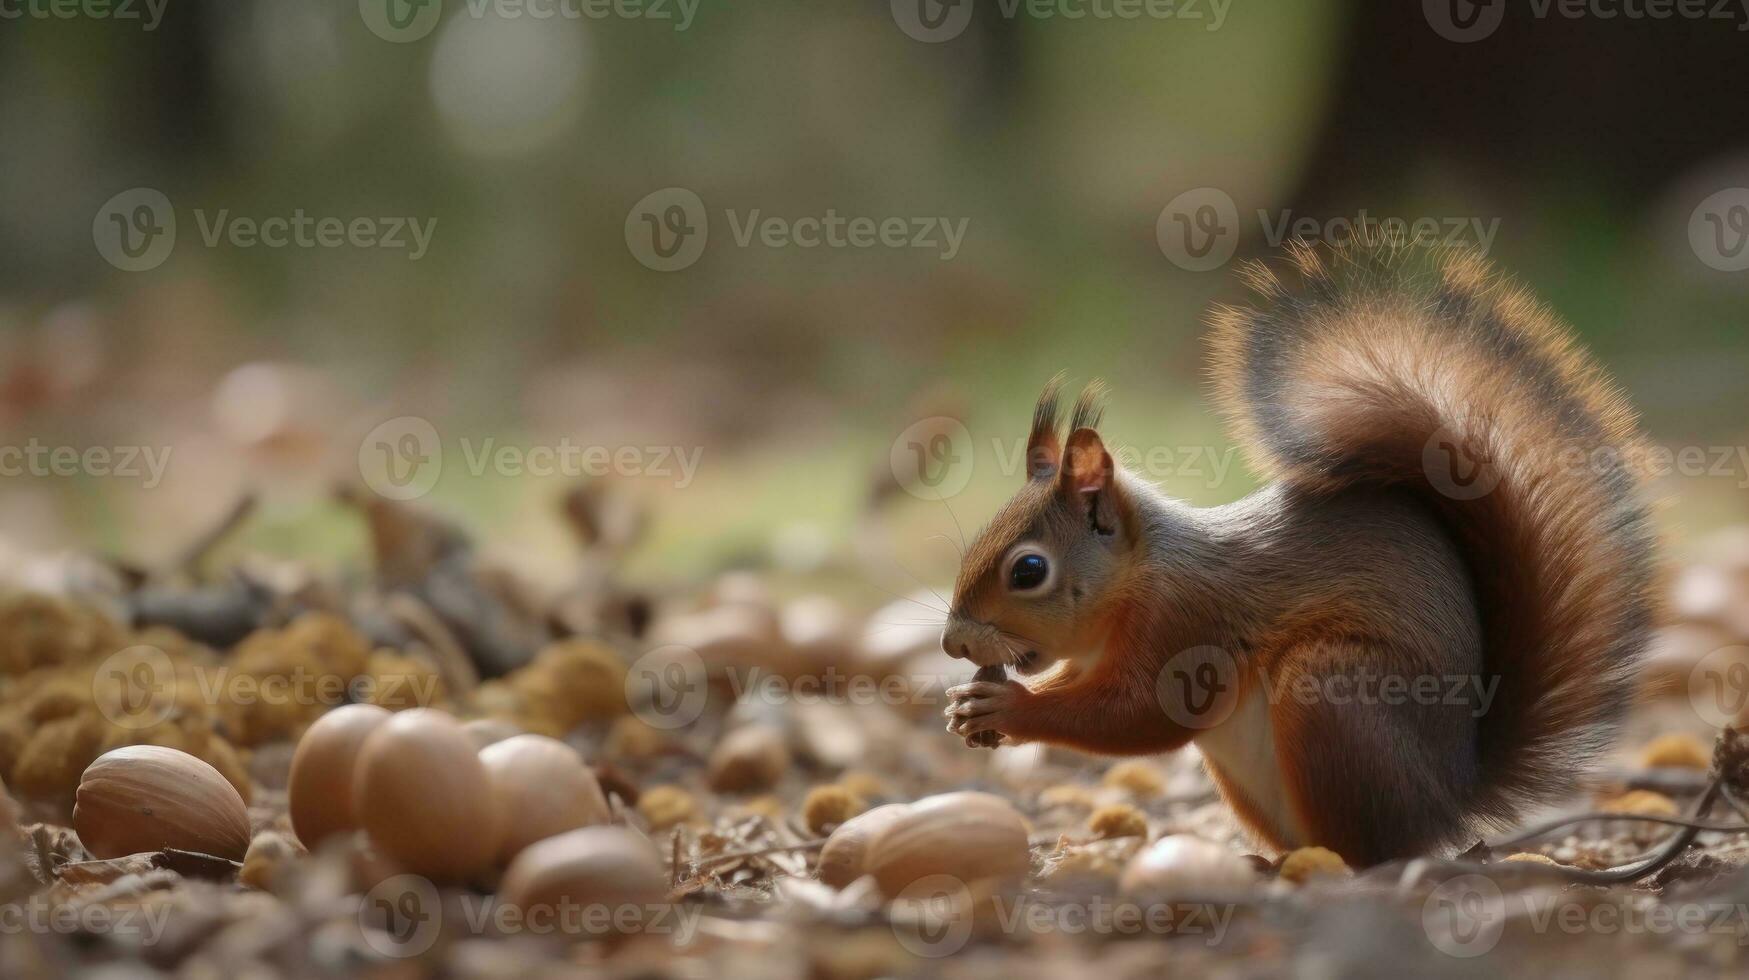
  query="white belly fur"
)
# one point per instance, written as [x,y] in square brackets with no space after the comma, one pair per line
[1243,747]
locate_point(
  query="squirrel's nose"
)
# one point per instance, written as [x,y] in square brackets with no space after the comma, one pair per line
[953,643]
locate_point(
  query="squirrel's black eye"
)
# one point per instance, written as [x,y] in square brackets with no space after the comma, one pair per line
[1030,572]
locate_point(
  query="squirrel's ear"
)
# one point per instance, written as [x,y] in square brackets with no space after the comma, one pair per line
[1089,477]
[1044,454]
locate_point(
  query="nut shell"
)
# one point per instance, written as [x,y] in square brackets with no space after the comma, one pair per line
[1182,863]
[969,836]
[422,793]
[543,790]
[148,798]
[320,785]
[609,866]
[842,857]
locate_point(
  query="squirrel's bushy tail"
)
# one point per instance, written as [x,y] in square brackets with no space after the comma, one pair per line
[1379,364]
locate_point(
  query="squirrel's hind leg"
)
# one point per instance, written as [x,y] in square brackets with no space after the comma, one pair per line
[1377,748]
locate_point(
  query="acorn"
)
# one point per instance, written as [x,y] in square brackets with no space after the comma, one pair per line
[422,793]
[543,788]
[148,798]
[322,768]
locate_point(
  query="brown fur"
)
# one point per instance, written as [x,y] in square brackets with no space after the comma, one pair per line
[1352,387]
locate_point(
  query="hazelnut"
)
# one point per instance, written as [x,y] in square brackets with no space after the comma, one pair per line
[320,785]
[969,836]
[594,866]
[543,789]
[424,796]
[148,798]
[1184,864]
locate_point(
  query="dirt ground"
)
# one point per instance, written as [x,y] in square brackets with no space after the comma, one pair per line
[732,729]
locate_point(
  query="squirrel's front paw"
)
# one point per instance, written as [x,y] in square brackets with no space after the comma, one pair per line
[985,706]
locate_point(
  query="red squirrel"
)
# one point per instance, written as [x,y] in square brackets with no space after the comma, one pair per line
[1425,624]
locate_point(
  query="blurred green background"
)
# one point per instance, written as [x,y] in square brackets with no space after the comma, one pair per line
[1586,144]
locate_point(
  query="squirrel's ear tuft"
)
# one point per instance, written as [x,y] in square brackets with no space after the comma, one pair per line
[1090,477]
[1044,453]
[1089,406]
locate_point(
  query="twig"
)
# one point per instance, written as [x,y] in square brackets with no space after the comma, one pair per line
[190,559]
[1411,871]
[760,852]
